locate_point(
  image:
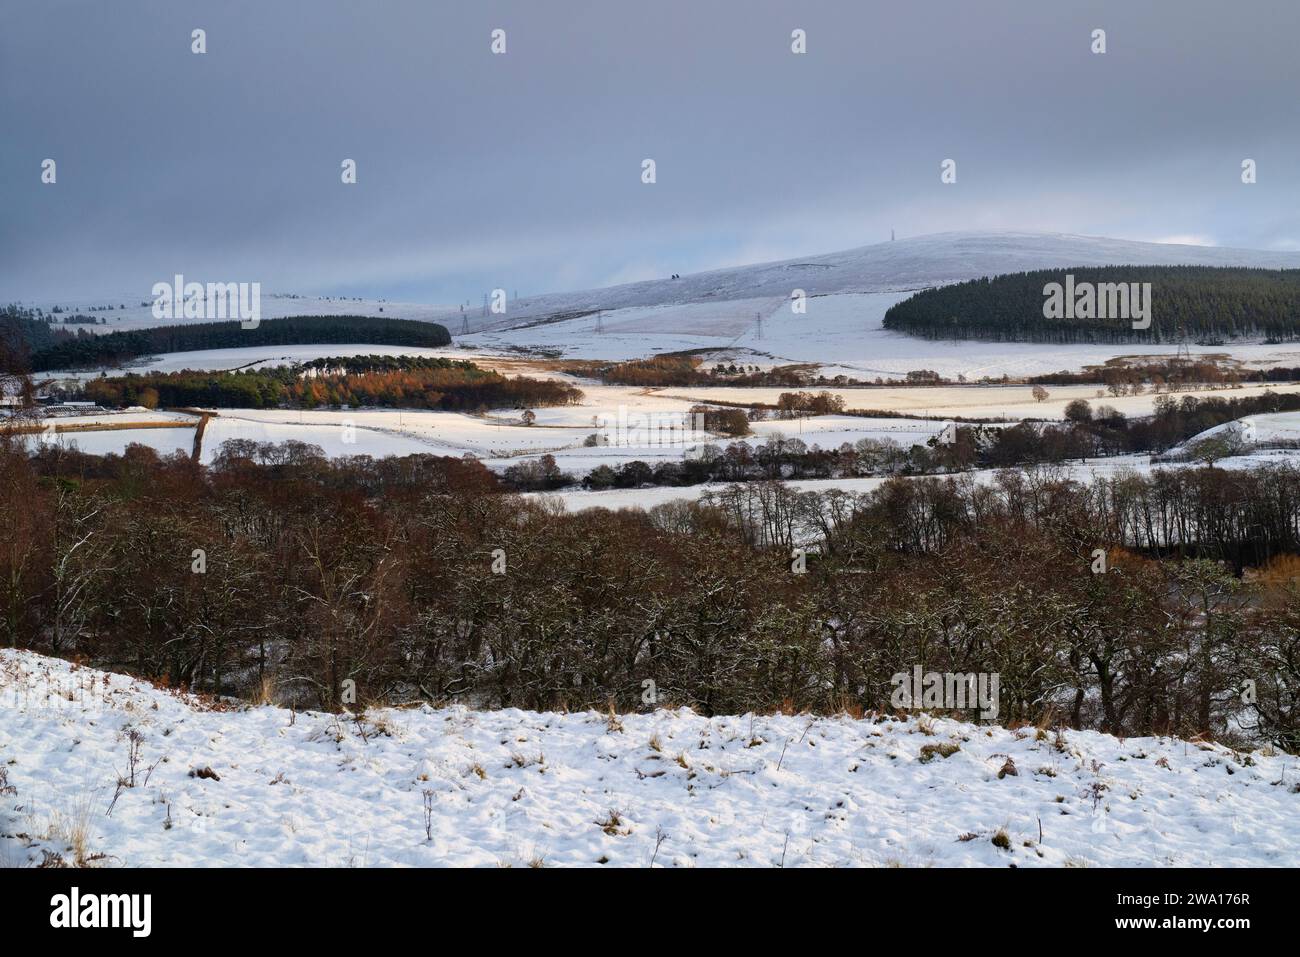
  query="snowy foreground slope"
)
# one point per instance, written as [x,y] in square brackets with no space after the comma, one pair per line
[518,788]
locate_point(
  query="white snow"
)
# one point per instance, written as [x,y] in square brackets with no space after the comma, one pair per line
[517,788]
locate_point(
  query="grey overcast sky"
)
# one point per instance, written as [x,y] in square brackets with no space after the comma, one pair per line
[524,170]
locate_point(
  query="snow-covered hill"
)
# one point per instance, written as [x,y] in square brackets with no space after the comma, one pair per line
[130,311]
[746,313]
[263,786]
[902,266]
[892,267]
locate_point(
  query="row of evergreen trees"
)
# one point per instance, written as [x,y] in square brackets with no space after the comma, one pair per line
[63,350]
[1201,303]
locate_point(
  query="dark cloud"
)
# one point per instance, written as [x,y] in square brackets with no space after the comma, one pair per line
[523,170]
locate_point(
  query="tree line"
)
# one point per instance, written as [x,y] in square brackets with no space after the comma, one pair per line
[428,383]
[1087,433]
[683,369]
[1204,303]
[63,349]
[276,572]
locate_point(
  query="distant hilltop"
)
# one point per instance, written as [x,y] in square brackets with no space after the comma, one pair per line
[904,265]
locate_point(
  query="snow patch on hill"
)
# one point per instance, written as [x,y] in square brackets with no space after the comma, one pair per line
[1264,429]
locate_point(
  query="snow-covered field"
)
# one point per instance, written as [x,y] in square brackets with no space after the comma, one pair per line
[974,402]
[668,788]
[841,333]
[254,357]
[498,438]
[647,425]
[643,427]
[115,418]
[109,431]
[163,441]
[1116,466]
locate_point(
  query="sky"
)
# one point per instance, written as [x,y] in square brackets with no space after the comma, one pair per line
[523,170]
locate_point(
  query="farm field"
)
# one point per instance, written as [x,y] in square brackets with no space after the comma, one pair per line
[842,334]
